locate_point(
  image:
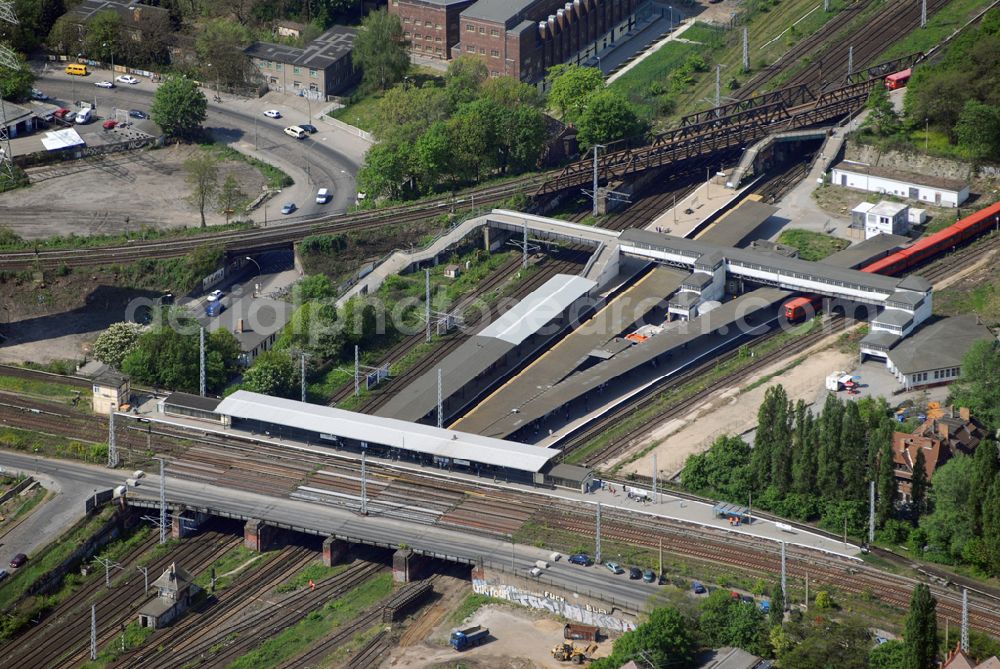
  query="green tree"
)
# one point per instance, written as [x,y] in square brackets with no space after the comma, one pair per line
[854,457]
[978,130]
[829,467]
[826,643]
[167,357]
[386,170]
[776,613]
[272,373]
[404,113]
[920,635]
[34,20]
[882,118]
[771,460]
[179,107]
[823,600]
[116,342]
[432,155]
[202,175]
[231,196]
[104,35]
[889,655]
[64,37]
[952,524]
[977,388]
[219,44]
[918,486]
[608,117]
[571,88]
[473,135]
[465,76]
[664,639]
[886,503]
[985,470]
[721,470]
[381,51]
[991,527]
[15,84]
[313,287]
[805,455]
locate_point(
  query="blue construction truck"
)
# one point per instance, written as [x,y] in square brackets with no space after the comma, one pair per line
[467,637]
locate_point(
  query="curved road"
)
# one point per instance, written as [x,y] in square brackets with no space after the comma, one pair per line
[326,159]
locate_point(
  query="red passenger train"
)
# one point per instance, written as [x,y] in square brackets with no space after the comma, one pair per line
[898,80]
[923,250]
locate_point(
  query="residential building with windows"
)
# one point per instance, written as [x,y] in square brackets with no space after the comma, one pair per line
[940,439]
[933,355]
[939,191]
[524,38]
[322,68]
[431,27]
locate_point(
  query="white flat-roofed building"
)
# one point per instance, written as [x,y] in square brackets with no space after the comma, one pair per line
[887,218]
[939,191]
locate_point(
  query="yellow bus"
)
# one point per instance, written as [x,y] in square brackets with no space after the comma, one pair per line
[78,69]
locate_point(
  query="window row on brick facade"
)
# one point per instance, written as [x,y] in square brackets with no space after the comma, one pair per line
[429,38]
[494,32]
[426,24]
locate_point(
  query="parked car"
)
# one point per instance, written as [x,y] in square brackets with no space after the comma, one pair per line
[38,95]
[69,116]
[614,567]
[18,560]
[311,129]
[535,571]
[662,580]
[288,208]
[295,131]
[135,113]
[215,295]
[634,573]
[272,113]
[4,574]
[581,559]
[109,124]
[322,196]
[104,84]
[126,79]
[698,588]
[85,116]
[649,576]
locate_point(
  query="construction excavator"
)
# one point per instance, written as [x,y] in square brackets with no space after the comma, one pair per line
[568,652]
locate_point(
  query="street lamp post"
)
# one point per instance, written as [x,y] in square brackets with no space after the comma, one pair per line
[259,272]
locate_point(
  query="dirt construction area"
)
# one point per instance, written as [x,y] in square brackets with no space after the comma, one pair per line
[113,194]
[519,639]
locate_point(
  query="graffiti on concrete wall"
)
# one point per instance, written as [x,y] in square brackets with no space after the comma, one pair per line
[547,601]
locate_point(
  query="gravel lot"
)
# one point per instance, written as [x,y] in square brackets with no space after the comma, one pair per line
[99,196]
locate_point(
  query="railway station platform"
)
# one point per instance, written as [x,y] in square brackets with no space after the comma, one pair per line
[738,226]
[589,343]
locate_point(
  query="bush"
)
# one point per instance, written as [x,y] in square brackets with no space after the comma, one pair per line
[824,600]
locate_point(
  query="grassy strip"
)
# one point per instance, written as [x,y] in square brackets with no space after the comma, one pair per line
[472,603]
[132,637]
[46,389]
[223,152]
[812,245]
[314,572]
[52,446]
[939,25]
[235,559]
[360,114]
[678,394]
[315,626]
[9,241]
[643,84]
[26,507]
[355,644]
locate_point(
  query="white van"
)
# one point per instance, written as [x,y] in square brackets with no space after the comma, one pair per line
[322,196]
[295,131]
[85,115]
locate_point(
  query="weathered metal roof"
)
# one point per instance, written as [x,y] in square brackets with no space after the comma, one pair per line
[539,308]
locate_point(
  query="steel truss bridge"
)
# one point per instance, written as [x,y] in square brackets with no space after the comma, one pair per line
[733,125]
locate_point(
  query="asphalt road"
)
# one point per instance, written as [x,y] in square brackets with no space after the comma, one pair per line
[78,480]
[313,162]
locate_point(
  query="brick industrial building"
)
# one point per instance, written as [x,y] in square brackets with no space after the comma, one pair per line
[518,38]
[322,68]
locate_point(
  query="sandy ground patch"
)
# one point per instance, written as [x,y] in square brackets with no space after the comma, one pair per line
[99,196]
[732,412]
[519,639]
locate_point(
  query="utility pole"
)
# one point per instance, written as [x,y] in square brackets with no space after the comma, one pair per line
[871,512]
[108,564]
[145,577]
[112,449]
[163,504]
[93,631]
[597,542]
[302,374]
[440,402]
[965,618]
[661,555]
[826,5]
[512,567]
[201,361]
[923,13]
[718,85]
[784,580]
[656,498]
[594,211]
[357,372]
[807,592]
[364,479]
[427,301]
[850,60]
[746,49]
[524,248]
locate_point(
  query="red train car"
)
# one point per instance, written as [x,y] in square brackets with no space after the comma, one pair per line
[898,80]
[924,249]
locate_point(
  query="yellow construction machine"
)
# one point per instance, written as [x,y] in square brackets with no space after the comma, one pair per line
[569,652]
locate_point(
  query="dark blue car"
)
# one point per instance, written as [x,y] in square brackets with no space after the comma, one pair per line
[581,559]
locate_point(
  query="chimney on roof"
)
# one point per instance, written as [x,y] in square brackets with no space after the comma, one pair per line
[239,326]
[964,413]
[173,571]
[943,429]
[951,410]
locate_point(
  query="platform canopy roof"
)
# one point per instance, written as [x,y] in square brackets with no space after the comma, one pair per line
[539,308]
[385,431]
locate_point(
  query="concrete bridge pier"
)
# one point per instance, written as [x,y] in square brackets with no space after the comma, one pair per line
[334,550]
[406,565]
[259,537]
[184,523]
